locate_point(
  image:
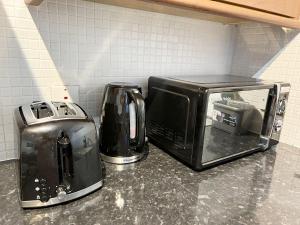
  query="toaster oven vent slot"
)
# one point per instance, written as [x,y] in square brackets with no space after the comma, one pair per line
[171,135]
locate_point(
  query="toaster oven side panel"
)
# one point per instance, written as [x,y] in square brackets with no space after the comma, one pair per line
[170,117]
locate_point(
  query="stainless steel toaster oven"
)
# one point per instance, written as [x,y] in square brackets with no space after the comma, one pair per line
[207,120]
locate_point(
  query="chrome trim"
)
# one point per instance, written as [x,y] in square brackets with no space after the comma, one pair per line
[264,142]
[121,160]
[252,150]
[56,200]
[241,83]
[31,119]
[267,133]
[240,88]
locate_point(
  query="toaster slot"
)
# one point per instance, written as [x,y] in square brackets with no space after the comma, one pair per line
[64,109]
[41,110]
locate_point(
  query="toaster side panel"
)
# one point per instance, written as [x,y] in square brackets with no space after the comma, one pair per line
[87,165]
[38,162]
[47,170]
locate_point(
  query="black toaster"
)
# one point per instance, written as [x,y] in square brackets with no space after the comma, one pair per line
[59,154]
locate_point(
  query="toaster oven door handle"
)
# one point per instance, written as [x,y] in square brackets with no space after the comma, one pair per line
[140,115]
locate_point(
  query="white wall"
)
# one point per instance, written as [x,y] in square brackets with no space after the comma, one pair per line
[272,53]
[74,42]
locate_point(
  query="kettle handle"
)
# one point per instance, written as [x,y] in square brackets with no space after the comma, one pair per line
[140,115]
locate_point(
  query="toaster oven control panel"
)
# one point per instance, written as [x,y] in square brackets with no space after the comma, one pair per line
[278,125]
[41,189]
[280,111]
[281,106]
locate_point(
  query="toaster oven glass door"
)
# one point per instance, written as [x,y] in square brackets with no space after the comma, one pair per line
[233,123]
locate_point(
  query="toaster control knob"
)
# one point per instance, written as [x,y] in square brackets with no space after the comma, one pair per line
[44,197]
[278,125]
[61,193]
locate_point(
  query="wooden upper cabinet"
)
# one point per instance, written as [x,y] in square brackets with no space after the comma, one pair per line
[283,13]
[278,12]
[33,2]
[288,8]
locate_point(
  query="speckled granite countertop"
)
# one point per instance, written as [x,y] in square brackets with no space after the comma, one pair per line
[263,188]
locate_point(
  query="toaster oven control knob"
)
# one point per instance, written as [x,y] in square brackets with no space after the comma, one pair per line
[281,106]
[61,193]
[278,125]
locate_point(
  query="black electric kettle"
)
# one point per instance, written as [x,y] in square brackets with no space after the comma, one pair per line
[122,124]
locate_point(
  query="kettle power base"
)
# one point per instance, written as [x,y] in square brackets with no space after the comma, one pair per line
[67,198]
[122,160]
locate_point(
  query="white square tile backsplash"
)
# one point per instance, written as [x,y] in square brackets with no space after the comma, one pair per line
[87,44]
[84,44]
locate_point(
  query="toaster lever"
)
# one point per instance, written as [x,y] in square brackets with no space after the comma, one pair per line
[61,193]
[65,158]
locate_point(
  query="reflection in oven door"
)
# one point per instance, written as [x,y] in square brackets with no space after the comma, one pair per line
[234,123]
